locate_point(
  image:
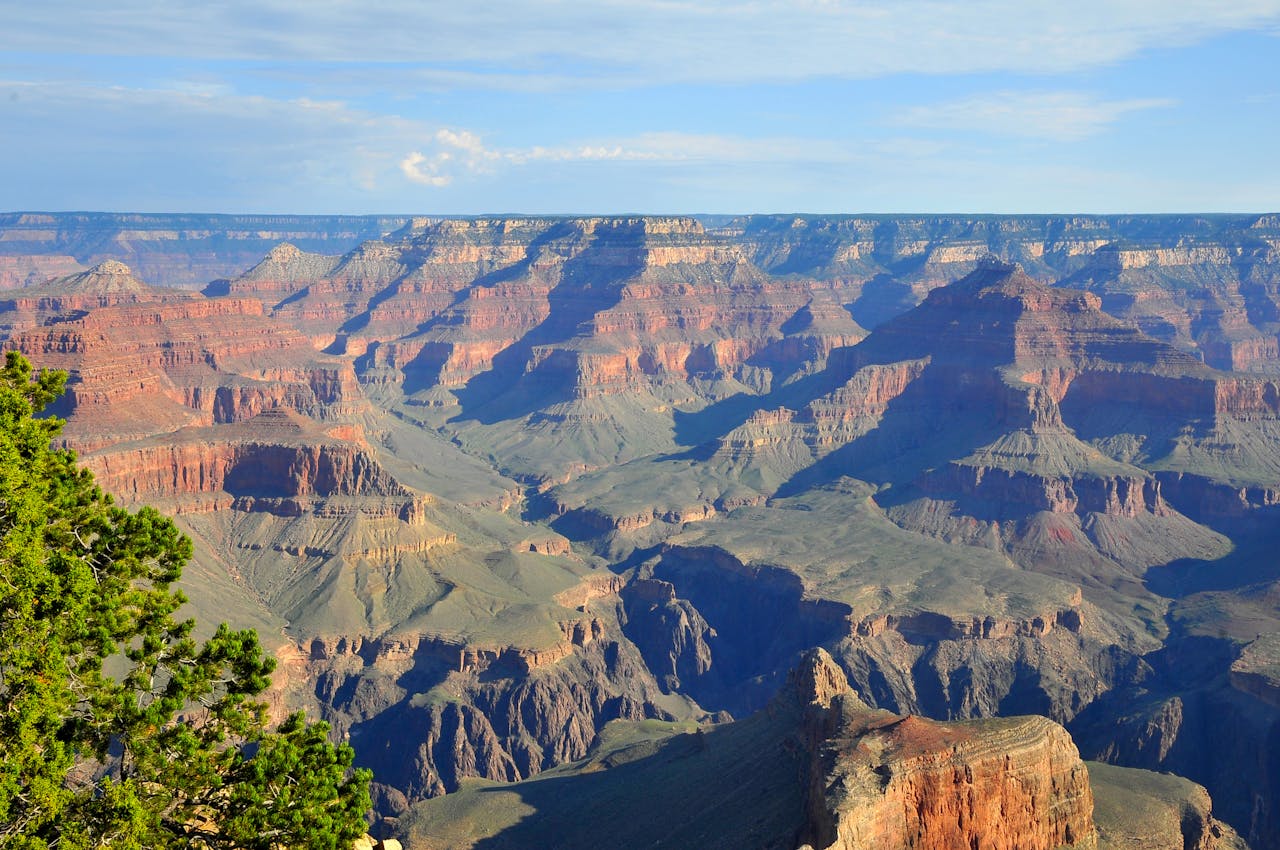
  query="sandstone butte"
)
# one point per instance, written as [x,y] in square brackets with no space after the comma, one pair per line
[878,780]
[1012,498]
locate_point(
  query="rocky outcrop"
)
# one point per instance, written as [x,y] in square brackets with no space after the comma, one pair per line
[273,462]
[1216,502]
[1257,671]
[498,714]
[932,626]
[695,618]
[1020,666]
[671,629]
[1180,711]
[885,781]
[1084,494]
[285,270]
[107,284]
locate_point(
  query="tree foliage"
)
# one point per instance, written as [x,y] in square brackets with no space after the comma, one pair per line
[117,727]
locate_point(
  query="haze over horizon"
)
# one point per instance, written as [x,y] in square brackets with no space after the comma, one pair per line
[648,107]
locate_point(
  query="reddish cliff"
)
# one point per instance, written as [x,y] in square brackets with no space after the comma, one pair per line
[877,780]
[106,284]
[276,461]
[602,305]
[150,362]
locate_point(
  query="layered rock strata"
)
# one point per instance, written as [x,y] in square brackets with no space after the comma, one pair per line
[668,376]
[145,361]
[495,713]
[810,771]
[877,780]
[182,250]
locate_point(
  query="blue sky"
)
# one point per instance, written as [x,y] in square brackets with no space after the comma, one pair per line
[550,106]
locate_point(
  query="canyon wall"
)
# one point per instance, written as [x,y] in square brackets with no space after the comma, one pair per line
[501,481]
[184,250]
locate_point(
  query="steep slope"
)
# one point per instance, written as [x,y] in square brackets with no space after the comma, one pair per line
[817,768]
[558,344]
[551,473]
[372,592]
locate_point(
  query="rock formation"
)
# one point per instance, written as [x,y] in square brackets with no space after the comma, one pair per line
[183,250]
[144,361]
[882,781]
[819,769]
[491,485]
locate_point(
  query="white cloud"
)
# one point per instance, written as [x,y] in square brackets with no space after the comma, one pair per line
[202,148]
[89,146]
[1060,116]
[461,151]
[194,149]
[625,42]
[454,153]
[419,169]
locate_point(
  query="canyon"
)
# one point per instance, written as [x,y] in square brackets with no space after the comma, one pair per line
[563,502]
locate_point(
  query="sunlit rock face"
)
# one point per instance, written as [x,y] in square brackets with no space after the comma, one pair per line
[491,484]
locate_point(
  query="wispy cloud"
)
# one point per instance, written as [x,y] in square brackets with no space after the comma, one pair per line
[1060,116]
[628,42]
[454,153]
[195,147]
[206,148]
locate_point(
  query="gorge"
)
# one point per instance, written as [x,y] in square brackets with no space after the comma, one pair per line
[570,500]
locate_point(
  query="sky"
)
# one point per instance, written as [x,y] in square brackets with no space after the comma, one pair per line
[624,106]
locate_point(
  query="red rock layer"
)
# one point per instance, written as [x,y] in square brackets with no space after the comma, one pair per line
[146,368]
[604,305]
[883,782]
[276,462]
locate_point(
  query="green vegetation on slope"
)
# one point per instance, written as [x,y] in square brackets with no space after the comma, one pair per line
[167,748]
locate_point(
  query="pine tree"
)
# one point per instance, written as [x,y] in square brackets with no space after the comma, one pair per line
[163,745]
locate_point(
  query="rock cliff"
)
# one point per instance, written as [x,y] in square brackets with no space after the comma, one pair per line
[494,484]
[814,769]
[144,361]
[1142,810]
[182,250]
[431,711]
[885,781]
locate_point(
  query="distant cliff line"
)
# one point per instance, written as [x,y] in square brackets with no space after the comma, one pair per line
[190,249]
